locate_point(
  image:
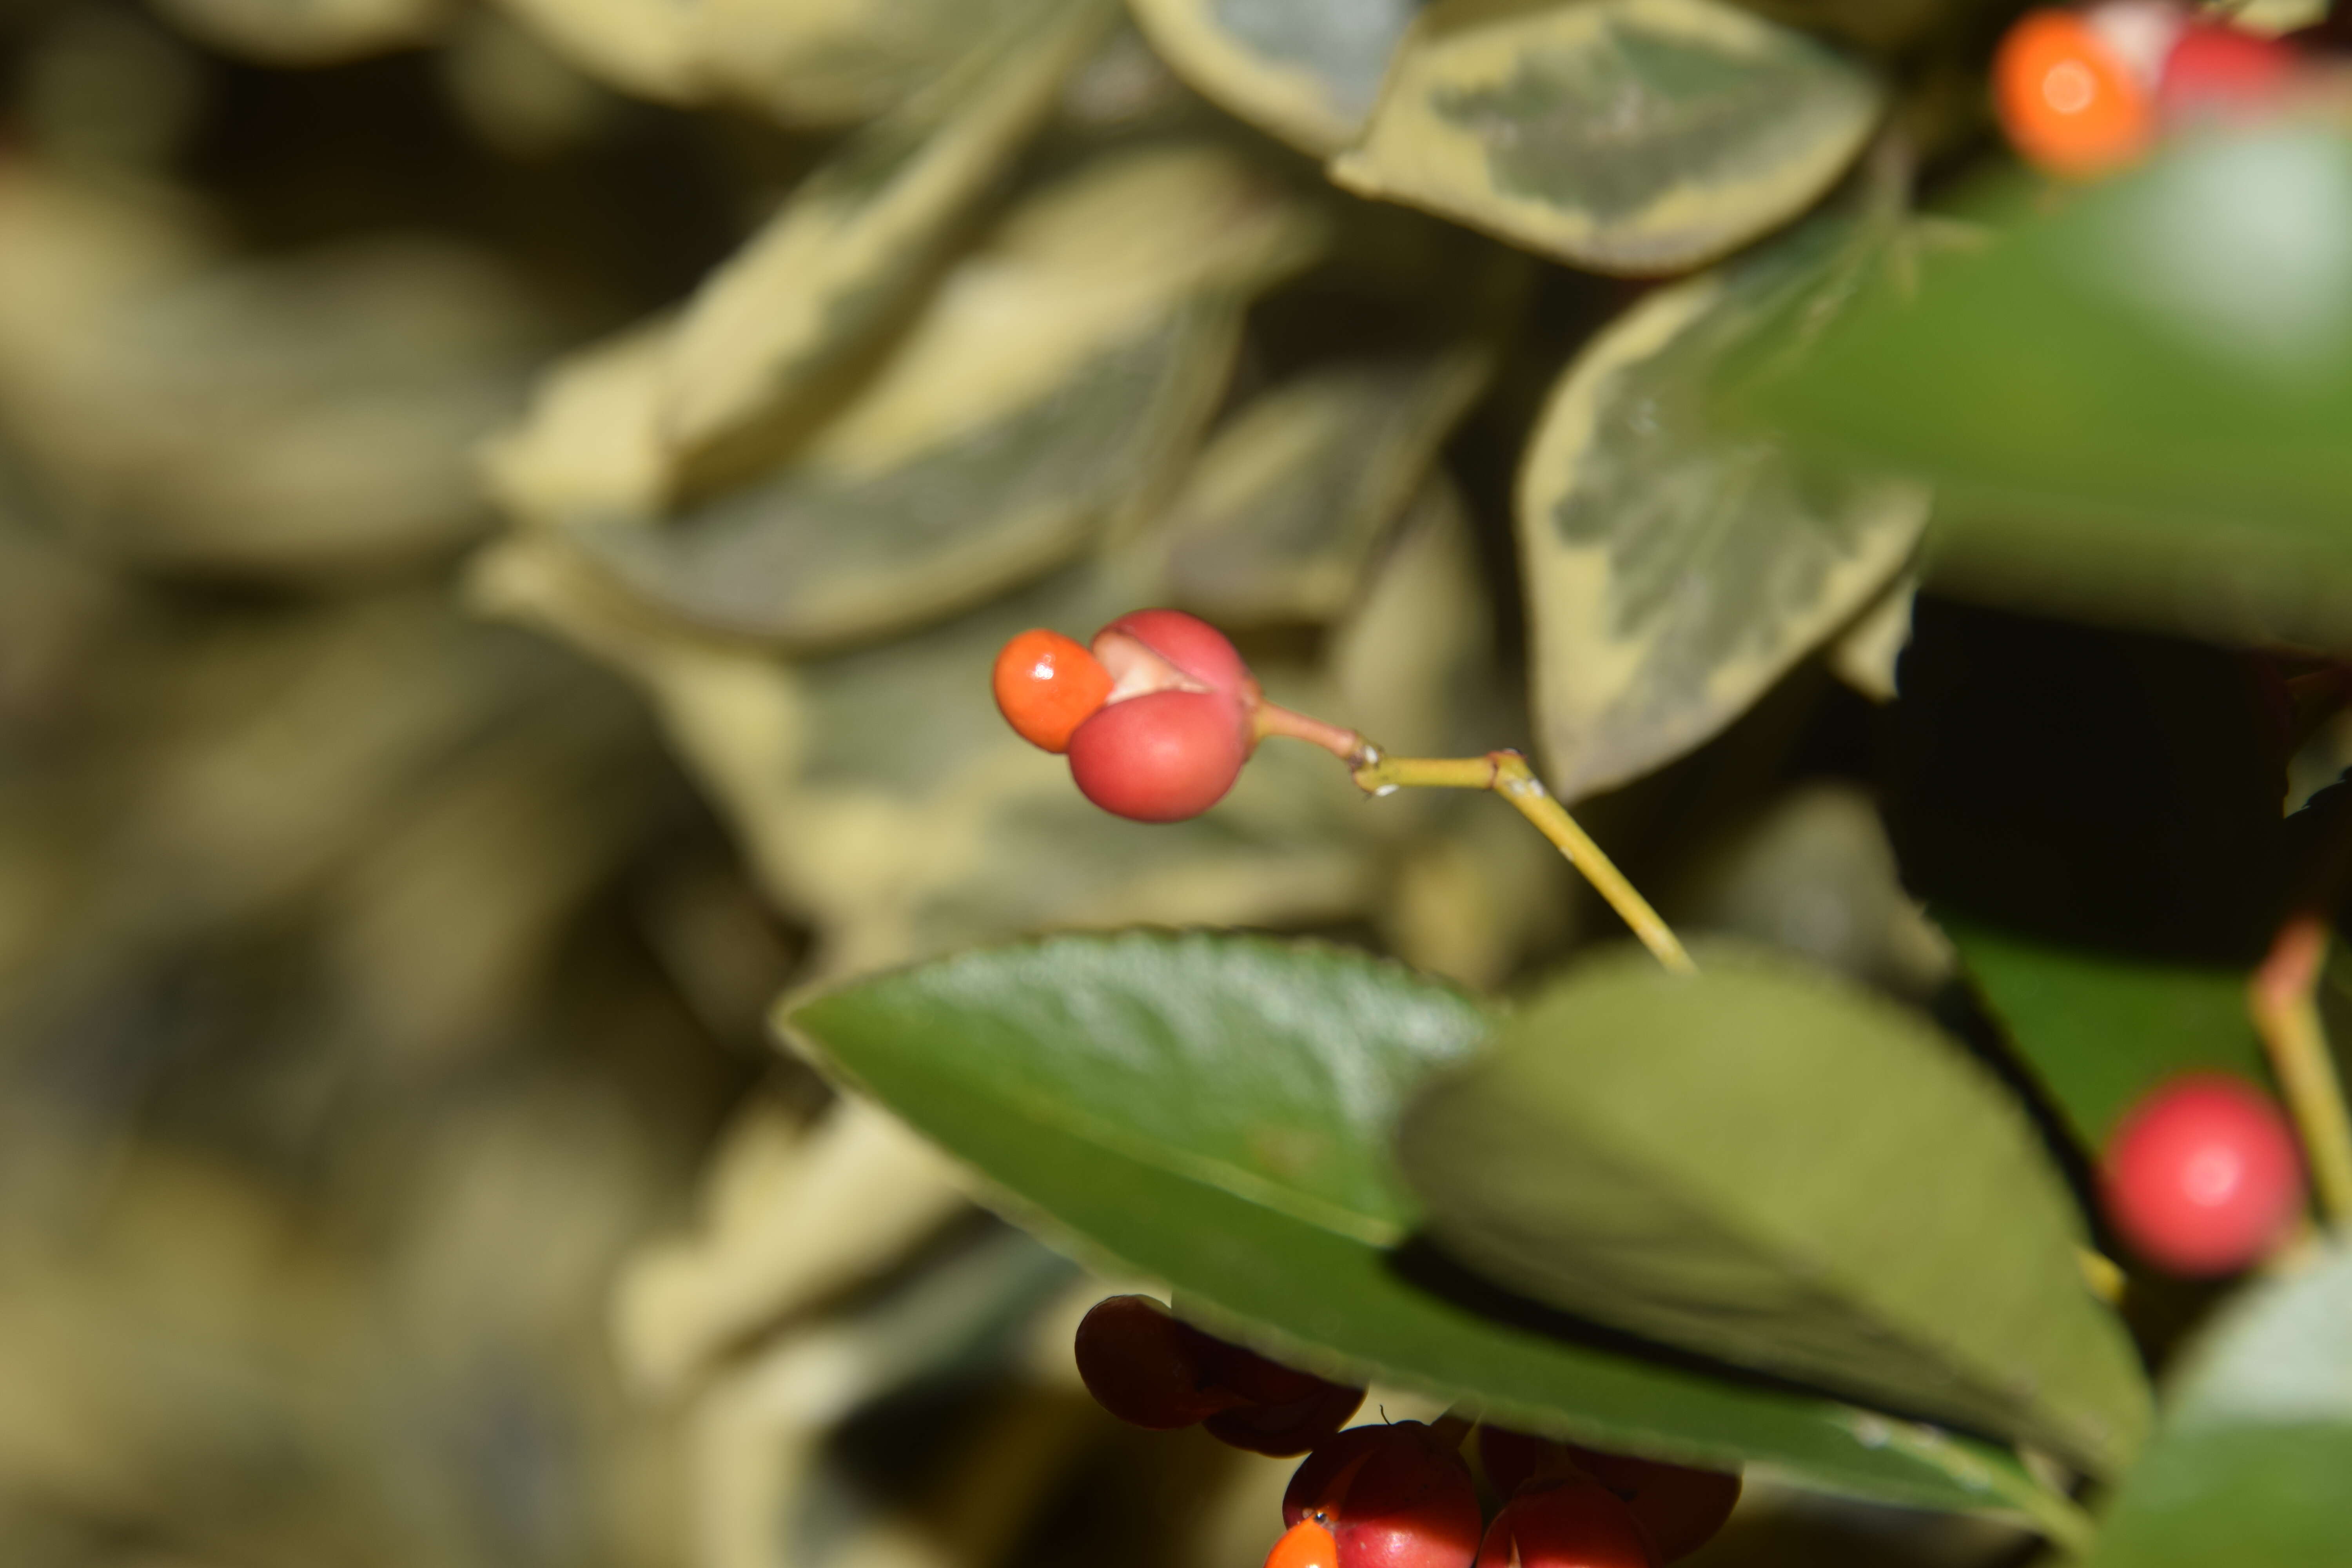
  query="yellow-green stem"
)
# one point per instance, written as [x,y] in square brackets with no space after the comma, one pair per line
[2284,1000]
[1508,775]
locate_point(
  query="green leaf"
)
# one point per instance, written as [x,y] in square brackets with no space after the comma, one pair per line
[2249,1464]
[856,237]
[2133,402]
[1214,1111]
[1308,73]
[1285,507]
[1790,1174]
[1675,569]
[2098,1029]
[1636,136]
[1058,376]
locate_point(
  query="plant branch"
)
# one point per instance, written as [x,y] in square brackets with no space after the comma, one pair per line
[2283,998]
[1508,775]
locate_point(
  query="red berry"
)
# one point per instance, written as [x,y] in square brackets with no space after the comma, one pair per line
[1046,686]
[2203,1176]
[1161,757]
[1566,1524]
[1681,1508]
[2067,99]
[2213,70]
[1514,1458]
[1280,1431]
[1395,1497]
[1264,1381]
[1306,1544]
[1148,1369]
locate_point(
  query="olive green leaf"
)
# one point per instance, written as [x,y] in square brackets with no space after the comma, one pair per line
[1059,376]
[832,62]
[588,445]
[645,47]
[1214,1111]
[1676,569]
[299,417]
[1788,1172]
[1308,73]
[1635,136]
[1412,663]
[2248,1465]
[2131,401]
[1285,507]
[2099,1030]
[856,237]
[308,32]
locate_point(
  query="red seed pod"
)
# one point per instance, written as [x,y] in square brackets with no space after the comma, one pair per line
[1398,1497]
[2203,1176]
[1164,756]
[1190,646]
[1263,1382]
[1514,1458]
[1680,1508]
[2214,71]
[1280,1431]
[1316,1486]
[1147,1368]
[1566,1524]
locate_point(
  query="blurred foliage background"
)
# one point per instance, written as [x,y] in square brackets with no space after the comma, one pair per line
[504,511]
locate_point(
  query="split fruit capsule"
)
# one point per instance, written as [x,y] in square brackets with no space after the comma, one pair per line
[1157,717]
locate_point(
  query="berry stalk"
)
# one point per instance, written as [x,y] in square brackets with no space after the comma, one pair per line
[1508,775]
[2283,998]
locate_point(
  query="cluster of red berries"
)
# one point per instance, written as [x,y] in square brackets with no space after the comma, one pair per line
[2084,92]
[1151,1370]
[1395,1495]
[2203,1176]
[1157,717]
[1400,1496]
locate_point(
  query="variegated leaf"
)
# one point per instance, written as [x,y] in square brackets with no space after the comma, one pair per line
[1675,570]
[1059,374]
[1278,518]
[1635,136]
[859,235]
[1308,73]
[833,62]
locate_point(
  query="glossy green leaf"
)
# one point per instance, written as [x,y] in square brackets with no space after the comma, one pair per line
[1309,73]
[2249,1464]
[1214,1111]
[2133,402]
[1282,511]
[1059,376]
[857,236]
[1675,569]
[1637,136]
[2098,1029]
[1790,1173]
